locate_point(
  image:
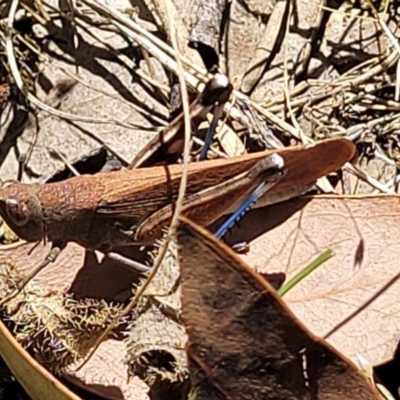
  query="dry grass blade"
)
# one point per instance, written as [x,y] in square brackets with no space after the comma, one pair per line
[182,187]
[166,13]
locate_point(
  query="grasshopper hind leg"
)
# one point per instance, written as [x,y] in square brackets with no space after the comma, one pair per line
[205,207]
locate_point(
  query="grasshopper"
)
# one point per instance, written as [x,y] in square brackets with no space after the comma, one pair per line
[121,208]
[132,207]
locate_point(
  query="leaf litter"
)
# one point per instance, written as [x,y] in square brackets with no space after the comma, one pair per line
[295,95]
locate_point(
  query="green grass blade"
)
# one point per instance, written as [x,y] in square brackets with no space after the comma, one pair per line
[325,256]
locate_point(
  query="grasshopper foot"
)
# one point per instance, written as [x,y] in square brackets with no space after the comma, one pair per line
[241,247]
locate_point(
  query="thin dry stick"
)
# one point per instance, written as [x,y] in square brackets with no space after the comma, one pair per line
[152,73]
[335,10]
[181,194]
[368,179]
[304,139]
[179,25]
[392,39]
[60,156]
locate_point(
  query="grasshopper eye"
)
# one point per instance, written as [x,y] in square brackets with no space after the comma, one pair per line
[17,211]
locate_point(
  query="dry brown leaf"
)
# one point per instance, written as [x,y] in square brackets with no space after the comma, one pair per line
[243,340]
[364,234]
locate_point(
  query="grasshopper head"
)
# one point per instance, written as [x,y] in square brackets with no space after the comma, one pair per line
[22,212]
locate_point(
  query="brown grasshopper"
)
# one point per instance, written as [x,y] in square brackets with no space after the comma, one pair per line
[123,208]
